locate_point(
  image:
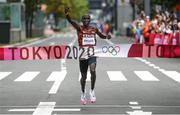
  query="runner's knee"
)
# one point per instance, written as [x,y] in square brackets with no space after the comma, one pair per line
[84,76]
[92,67]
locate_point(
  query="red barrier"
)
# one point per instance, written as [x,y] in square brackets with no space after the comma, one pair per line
[157,39]
[151,38]
[161,51]
[136,50]
[164,39]
[1,53]
[177,36]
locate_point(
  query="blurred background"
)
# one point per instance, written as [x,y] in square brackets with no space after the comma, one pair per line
[21,20]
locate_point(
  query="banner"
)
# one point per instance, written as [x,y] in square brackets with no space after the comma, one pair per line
[74,52]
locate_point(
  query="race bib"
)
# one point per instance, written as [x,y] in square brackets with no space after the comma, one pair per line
[88,39]
[87,52]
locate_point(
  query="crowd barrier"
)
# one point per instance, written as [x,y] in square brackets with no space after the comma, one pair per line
[164,39]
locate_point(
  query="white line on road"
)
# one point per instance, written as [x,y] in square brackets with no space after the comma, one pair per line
[73,109]
[116,76]
[173,75]
[152,65]
[57,77]
[88,76]
[21,110]
[4,74]
[63,64]
[147,63]
[146,76]
[161,70]
[63,61]
[52,43]
[44,108]
[139,112]
[114,114]
[135,107]
[27,76]
[98,106]
[133,103]
[28,110]
[156,67]
[141,59]
[37,42]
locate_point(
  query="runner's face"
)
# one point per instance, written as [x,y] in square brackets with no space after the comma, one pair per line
[86,20]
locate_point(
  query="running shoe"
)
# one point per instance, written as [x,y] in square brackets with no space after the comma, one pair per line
[83,98]
[92,96]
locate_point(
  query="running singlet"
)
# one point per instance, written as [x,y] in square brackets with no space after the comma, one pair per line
[87,41]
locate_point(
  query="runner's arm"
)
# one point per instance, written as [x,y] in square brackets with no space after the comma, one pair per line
[74,24]
[102,35]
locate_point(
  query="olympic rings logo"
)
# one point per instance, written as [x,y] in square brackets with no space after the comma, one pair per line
[114,50]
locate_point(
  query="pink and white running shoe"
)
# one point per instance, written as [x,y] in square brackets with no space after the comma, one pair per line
[92,96]
[83,99]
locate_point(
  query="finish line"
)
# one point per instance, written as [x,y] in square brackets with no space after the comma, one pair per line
[73,52]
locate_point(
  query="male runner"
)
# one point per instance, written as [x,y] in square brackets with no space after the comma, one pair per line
[86,38]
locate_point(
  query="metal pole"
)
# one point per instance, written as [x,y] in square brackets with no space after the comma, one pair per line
[147,7]
[115,15]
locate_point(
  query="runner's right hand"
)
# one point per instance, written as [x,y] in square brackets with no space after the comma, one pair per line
[66,10]
[108,36]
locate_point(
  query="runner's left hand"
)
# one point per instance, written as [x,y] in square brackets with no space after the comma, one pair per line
[108,36]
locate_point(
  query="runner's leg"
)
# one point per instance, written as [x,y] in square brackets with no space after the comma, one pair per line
[92,64]
[83,69]
[93,75]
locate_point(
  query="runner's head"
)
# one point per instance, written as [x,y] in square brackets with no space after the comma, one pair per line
[86,20]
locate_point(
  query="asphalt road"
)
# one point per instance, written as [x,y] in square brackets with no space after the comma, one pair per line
[124,86]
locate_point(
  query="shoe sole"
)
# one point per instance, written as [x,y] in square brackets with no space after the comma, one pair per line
[93,101]
[83,103]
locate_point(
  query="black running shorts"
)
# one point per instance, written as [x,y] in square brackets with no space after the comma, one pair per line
[83,64]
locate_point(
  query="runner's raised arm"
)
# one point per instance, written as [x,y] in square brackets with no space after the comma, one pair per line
[102,35]
[74,24]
